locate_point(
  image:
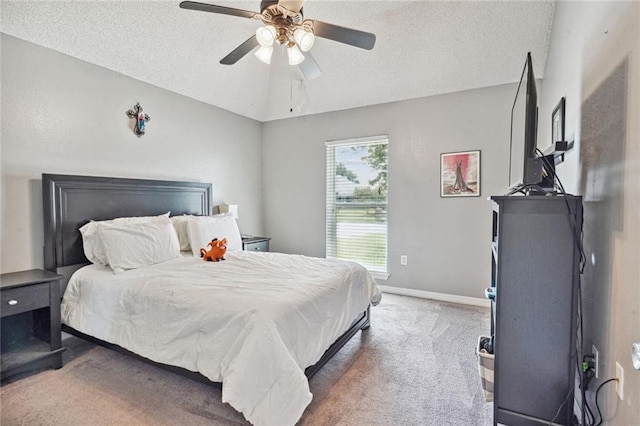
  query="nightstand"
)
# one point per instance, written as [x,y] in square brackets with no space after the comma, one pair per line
[30,321]
[255,244]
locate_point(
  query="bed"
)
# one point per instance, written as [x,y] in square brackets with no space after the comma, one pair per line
[257,324]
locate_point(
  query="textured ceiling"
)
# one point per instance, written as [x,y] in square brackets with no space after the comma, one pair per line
[423,48]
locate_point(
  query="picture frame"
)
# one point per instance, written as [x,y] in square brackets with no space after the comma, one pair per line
[460,174]
[557,123]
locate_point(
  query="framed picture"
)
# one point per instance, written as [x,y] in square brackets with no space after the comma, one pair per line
[460,174]
[557,123]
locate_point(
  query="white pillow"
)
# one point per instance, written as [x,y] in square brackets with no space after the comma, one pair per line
[203,229]
[93,248]
[133,245]
[180,225]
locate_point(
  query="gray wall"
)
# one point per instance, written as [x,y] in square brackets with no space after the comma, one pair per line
[63,115]
[594,60]
[447,240]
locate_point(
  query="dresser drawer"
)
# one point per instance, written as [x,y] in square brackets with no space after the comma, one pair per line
[257,246]
[23,299]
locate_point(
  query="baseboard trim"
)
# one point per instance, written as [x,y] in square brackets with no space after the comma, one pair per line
[452,298]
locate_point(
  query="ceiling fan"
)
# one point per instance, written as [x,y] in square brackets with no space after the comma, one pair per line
[284,24]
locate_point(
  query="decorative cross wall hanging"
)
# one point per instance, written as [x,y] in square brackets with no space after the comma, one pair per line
[141,119]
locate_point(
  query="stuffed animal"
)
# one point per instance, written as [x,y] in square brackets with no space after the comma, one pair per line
[217,251]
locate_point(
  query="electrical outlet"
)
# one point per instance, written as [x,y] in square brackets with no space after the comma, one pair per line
[620,382]
[594,351]
[403,260]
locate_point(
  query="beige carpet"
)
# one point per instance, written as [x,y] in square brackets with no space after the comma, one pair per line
[415,366]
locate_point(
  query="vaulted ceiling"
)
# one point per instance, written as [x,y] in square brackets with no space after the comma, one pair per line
[423,48]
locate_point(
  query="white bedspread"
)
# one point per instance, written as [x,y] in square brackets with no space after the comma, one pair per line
[253,322]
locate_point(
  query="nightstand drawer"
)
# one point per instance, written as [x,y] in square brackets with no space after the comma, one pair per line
[23,299]
[258,246]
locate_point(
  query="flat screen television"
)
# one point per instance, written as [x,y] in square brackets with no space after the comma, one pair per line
[525,168]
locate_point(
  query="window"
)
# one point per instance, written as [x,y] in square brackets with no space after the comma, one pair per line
[357,202]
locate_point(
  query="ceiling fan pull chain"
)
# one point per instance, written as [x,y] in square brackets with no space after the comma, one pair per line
[290,93]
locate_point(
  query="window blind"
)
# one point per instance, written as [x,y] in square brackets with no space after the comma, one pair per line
[357,188]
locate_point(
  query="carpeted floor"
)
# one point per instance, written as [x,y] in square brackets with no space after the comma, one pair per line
[415,366]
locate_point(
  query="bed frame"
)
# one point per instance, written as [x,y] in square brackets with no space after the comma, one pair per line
[71,201]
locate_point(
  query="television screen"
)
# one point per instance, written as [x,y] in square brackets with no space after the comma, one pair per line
[524,166]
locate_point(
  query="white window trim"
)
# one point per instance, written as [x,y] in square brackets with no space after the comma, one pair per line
[367,140]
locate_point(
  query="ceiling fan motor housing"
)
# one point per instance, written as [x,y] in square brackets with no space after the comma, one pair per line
[266,3]
[285,21]
[273,13]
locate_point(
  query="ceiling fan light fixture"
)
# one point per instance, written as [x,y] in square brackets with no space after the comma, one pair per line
[264,54]
[304,39]
[295,55]
[266,35]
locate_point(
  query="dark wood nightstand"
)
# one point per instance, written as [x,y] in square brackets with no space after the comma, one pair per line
[30,321]
[255,244]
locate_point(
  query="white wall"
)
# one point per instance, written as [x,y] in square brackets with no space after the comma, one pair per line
[447,240]
[594,60]
[63,115]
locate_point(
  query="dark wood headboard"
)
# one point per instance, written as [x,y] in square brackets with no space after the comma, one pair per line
[71,201]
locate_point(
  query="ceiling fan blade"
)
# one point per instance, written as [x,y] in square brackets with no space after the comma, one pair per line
[292,5]
[240,51]
[344,35]
[309,67]
[204,7]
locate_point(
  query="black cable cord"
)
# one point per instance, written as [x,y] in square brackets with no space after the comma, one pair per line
[597,406]
[581,380]
[578,240]
[588,419]
[577,235]
[579,340]
[550,168]
[592,419]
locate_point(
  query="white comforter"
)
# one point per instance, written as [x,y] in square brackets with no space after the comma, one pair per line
[253,322]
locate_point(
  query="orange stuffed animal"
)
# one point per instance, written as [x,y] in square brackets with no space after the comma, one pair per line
[218,249]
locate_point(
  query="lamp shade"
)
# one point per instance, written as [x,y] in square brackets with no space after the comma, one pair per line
[266,35]
[230,209]
[264,54]
[295,55]
[304,39]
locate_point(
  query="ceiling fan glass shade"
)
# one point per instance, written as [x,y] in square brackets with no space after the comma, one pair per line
[266,35]
[295,55]
[304,39]
[264,54]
